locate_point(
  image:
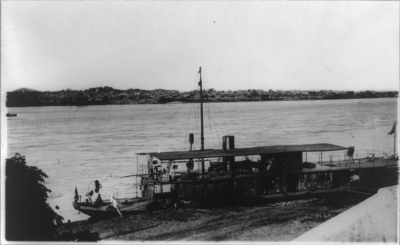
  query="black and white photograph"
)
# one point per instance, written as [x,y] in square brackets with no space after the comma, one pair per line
[199,122]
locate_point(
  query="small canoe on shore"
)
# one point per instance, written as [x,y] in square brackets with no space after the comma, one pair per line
[106,209]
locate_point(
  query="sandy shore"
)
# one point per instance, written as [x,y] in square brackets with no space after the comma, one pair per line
[272,222]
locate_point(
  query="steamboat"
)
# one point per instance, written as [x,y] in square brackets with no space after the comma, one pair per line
[233,176]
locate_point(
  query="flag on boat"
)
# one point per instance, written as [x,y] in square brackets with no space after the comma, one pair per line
[200,76]
[393,129]
[76,194]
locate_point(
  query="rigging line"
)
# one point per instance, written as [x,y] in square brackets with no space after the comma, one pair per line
[214,138]
[232,119]
[148,139]
[196,124]
[220,129]
[192,124]
[187,126]
[219,133]
[209,123]
[196,121]
[170,130]
[196,116]
[218,125]
[98,177]
[224,130]
[160,128]
[214,134]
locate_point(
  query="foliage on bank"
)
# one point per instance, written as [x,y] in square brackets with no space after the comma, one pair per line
[28,216]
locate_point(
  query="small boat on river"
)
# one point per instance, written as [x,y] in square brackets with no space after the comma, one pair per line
[11,114]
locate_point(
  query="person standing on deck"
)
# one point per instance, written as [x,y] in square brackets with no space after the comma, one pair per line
[190,165]
[151,172]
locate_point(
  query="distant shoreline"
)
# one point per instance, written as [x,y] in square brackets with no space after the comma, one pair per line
[186,102]
[109,96]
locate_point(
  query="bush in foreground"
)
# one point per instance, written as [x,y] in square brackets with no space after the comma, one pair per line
[28,216]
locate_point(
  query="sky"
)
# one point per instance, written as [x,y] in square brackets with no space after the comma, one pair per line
[306,45]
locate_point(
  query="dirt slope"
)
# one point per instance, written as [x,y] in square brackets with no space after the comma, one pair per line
[277,222]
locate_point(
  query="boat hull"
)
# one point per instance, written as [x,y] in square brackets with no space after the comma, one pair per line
[127,207]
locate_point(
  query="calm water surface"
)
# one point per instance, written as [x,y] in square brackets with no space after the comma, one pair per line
[76,145]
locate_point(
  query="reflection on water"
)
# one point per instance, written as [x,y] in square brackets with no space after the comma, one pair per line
[75,145]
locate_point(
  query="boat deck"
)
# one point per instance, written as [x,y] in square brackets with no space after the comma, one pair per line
[328,166]
[356,164]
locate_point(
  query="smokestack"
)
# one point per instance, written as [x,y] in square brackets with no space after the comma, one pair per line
[223,142]
[228,142]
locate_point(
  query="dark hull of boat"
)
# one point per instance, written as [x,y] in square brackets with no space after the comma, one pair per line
[319,181]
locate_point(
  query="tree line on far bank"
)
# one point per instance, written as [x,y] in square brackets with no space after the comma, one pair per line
[108,95]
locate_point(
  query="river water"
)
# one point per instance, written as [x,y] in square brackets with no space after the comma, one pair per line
[76,145]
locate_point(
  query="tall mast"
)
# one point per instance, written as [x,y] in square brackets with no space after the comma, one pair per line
[394,145]
[202,126]
[201,111]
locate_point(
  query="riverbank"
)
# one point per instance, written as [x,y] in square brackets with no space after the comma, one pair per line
[273,222]
[109,96]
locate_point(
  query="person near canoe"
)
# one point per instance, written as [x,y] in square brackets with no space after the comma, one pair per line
[115,204]
[93,195]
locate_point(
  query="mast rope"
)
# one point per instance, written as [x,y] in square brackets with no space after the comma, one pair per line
[159,128]
[105,179]
[219,129]
[146,141]
[217,124]
[243,128]
[196,117]
[213,133]
[187,126]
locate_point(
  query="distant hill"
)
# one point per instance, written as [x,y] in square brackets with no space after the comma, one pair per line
[108,95]
[25,90]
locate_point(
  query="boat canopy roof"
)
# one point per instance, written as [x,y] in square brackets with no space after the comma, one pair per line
[175,155]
